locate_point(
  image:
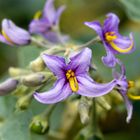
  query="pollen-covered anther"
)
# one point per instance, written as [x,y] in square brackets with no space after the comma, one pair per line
[110,36]
[70,75]
[37,15]
[131,84]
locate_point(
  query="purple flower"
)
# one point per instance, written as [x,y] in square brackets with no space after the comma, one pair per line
[123,86]
[13,35]
[114,42]
[46,22]
[72,78]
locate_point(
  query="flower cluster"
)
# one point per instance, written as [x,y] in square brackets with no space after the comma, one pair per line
[72,73]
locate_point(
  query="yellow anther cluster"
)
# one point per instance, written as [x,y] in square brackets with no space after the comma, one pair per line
[70,75]
[37,15]
[110,36]
[131,84]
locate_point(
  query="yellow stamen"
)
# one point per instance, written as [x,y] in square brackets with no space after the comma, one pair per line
[133,97]
[6,37]
[72,80]
[37,15]
[115,47]
[110,37]
[131,84]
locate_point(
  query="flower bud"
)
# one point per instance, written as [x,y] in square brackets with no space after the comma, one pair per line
[17,72]
[13,35]
[103,103]
[33,80]
[39,125]
[8,86]
[37,65]
[24,102]
[84,108]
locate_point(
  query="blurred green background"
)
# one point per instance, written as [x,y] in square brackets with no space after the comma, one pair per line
[77,12]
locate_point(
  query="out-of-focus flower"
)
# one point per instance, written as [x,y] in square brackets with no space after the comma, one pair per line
[72,78]
[8,86]
[13,35]
[114,42]
[46,23]
[123,86]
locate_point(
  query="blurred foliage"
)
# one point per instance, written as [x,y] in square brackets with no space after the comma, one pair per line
[14,125]
[132,8]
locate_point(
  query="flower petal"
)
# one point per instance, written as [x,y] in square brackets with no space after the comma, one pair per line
[39,26]
[123,44]
[110,60]
[8,86]
[95,25]
[56,64]
[58,14]
[128,105]
[93,89]
[59,92]
[81,62]
[3,40]
[111,23]
[17,35]
[49,11]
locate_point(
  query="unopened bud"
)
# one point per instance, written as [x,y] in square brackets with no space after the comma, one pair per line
[8,86]
[84,109]
[17,72]
[103,103]
[39,125]
[33,80]
[24,102]
[37,65]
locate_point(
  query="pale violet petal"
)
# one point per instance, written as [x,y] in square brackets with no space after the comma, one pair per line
[80,62]
[55,63]
[111,23]
[94,89]
[95,25]
[59,92]
[109,60]
[49,11]
[129,107]
[16,34]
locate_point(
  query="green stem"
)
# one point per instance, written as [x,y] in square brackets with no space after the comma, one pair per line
[49,111]
[94,116]
[38,43]
[89,43]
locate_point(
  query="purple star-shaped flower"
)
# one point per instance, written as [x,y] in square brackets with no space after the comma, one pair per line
[13,35]
[114,42]
[123,86]
[72,78]
[45,22]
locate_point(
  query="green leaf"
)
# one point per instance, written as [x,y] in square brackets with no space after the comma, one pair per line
[132,8]
[16,127]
